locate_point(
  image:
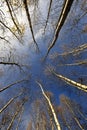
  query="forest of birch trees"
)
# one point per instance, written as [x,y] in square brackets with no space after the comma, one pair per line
[43,64]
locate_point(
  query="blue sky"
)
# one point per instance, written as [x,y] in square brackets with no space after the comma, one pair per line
[25,54]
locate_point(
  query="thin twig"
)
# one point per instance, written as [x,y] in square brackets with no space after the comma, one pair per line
[7,2]
[10,30]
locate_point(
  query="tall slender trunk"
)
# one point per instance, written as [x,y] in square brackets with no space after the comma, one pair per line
[71,82]
[9,102]
[19,119]
[30,23]
[51,107]
[10,85]
[64,13]
[48,15]
[75,118]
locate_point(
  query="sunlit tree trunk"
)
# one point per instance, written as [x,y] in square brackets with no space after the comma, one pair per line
[51,107]
[64,13]
[19,109]
[71,82]
[9,102]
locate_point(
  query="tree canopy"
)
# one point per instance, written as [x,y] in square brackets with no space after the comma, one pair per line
[43,64]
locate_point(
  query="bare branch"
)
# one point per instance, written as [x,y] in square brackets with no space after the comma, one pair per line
[3,38]
[9,29]
[10,63]
[15,64]
[7,2]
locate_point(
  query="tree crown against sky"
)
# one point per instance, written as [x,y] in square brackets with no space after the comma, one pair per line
[43,64]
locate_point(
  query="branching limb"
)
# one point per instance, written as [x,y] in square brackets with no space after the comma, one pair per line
[9,30]
[3,38]
[7,2]
[10,63]
[20,66]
